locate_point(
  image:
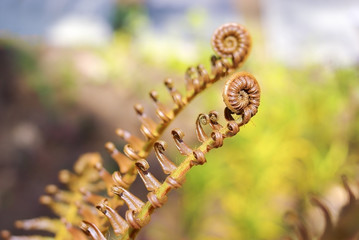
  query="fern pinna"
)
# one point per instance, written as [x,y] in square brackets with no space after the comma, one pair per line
[89,205]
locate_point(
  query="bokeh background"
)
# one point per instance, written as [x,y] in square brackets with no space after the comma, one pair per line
[70,72]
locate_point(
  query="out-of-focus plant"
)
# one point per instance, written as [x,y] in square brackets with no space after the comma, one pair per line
[127,16]
[52,85]
[25,64]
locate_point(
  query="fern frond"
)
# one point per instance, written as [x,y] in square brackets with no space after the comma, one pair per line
[94,194]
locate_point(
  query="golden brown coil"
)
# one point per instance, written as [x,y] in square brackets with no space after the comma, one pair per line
[232,40]
[241,95]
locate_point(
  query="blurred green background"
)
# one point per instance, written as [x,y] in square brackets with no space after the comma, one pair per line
[61,97]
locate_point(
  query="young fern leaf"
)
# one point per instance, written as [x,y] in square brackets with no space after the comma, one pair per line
[139,213]
[85,205]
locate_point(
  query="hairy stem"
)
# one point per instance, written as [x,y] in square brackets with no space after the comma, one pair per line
[161,193]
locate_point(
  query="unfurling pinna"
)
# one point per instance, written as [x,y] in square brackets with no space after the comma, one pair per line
[89,206]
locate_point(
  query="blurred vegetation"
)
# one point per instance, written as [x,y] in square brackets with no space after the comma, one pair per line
[126,17]
[52,85]
[303,138]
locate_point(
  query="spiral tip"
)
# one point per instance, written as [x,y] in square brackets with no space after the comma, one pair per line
[232,40]
[241,94]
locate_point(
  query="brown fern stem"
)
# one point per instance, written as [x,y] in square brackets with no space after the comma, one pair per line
[177,175]
[197,80]
[232,44]
[139,213]
[229,41]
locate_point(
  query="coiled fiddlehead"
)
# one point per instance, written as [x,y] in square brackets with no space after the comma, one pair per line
[241,95]
[232,41]
[94,194]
